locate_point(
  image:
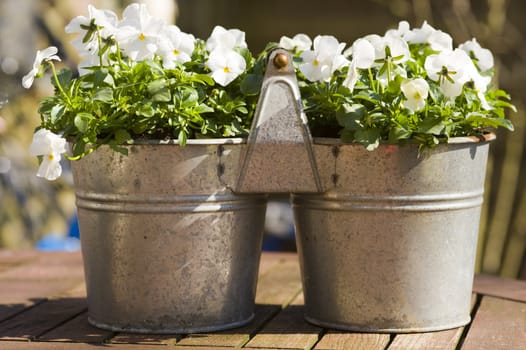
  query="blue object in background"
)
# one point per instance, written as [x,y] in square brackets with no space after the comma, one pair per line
[74,227]
[56,242]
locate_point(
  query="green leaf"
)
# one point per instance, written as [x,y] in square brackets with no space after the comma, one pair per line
[482,121]
[104,94]
[64,77]
[146,110]
[399,133]
[203,79]
[251,84]
[57,111]
[182,137]
[81,121]
[431,126]
[163,95]
[118,148]
[122,136]
[370,138]
[202,108]
[78,147]
[189,97]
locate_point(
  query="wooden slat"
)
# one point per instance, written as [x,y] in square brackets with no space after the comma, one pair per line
[498,324]
[280,285]
[271,259]
[10,259]
[45,316]
[77,330]
[47,266]
[277,270]
[35,276]
[145,339]
[500,287]
[41,318]
[18,345]
[349,341]
[442,340]
[288,330]
[236,337]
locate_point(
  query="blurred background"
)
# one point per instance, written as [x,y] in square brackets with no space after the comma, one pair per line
[32,210]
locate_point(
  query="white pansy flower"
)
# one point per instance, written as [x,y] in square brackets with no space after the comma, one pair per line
[449,69]
[479,82]
[483,56]
[300,42]
[226,39]
[352,76]
[402,30]
[106,20]
[226,65]
[398,54]
[176,46]
[397,47]
[48,54]
[51,147]
[363,54]
[440,41]
[415,91]
[437,39]
[138,33]
[319,64]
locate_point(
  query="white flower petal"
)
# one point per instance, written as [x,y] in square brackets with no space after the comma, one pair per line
[483,56]
[352,77]
[50,146]
[46,142]
[226,65]
[440,41]
[226,39]
[48,54]
[50,167]
[300,42]
[416,92]
[363,54]
[29,78]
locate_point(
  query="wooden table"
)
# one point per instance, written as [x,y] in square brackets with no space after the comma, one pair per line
[43,306]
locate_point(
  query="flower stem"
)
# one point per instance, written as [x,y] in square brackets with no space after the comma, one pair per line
[371,79]
[57,83]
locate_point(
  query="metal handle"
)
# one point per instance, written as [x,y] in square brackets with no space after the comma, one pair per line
[279,156]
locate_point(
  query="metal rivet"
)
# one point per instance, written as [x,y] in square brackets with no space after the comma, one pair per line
[281,60]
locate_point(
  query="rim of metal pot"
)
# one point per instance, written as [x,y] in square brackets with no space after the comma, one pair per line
[487,137]
[218,141]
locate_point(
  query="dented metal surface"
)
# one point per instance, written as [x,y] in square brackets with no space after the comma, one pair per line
[391,245]
[167,246]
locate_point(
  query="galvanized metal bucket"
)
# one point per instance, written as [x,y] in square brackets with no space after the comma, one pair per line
[390,245]
[167,246]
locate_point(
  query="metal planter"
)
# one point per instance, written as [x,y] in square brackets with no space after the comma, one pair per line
[167,246]
[390,245]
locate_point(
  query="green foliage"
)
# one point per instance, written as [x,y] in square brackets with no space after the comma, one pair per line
[123,102]
[373,113]
[370,117]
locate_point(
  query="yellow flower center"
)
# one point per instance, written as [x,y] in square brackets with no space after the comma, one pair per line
[141,37]
[50,157]
[315,62]
[226,70]
[176,52]
[417,96]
